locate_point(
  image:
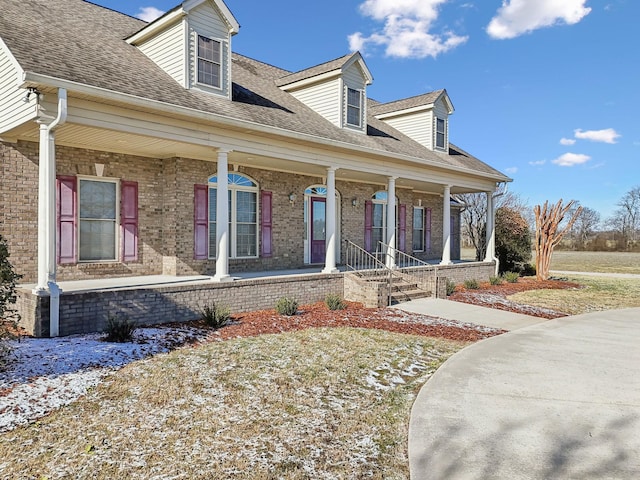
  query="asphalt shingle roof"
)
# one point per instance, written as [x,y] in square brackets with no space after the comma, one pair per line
[82,42]
[405,103]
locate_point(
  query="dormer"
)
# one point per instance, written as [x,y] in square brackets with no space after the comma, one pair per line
[424,118]
[337,90]
[192,43]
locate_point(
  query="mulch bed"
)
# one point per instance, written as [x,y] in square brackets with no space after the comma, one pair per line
[495,296]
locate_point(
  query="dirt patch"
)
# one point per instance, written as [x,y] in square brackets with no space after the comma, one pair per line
[496,296]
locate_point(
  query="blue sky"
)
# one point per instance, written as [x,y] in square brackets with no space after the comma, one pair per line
[547,91]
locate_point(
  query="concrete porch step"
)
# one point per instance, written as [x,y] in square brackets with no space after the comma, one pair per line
[408,295]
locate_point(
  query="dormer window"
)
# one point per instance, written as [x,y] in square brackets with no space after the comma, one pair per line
[354,107]
[441,133]
[209,61]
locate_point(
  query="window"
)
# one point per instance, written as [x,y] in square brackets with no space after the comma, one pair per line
[243,216]
[418,229]
[354,107]
[209,61]
[98,213]
[441,127]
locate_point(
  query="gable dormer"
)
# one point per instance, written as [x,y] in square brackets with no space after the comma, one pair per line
[337,90]
[192,43]
[424,118]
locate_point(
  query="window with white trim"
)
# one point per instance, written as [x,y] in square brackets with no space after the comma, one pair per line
[98,217]
[354,107]
[441,133]
[243,216]
[209,61]
[418,229]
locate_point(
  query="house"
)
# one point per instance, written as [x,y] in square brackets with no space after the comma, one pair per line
[133,149]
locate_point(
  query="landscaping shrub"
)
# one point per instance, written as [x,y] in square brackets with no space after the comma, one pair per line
[119,330]
[495,280]
[9,318]
[333,301]
[215,316]
[471,284]
[451,287]
[511,277]
[287,306]
[513,240]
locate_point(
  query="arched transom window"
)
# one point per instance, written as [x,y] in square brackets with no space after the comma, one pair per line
[243,216]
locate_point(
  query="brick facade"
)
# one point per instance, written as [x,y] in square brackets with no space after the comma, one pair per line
[165,206]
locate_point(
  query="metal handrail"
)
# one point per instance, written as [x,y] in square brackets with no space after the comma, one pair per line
[417,269]
[358,259]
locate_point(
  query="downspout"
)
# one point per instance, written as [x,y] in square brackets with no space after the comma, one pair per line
[47,213]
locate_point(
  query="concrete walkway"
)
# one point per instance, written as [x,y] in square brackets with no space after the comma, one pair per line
[556,400]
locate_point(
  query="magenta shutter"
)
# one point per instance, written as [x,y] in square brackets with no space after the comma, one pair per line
[265,224]
[66,208]
[427,231]
[201,222]
[368,224]
[402,227]
[129,220]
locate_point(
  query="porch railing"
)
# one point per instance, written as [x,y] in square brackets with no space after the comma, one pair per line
[357,259]
[421,272]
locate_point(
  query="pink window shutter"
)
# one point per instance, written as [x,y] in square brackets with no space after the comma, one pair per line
[402,227]
[66,228]
[368,224]
[427,231]
[129,220]
[265,224]
[201,222]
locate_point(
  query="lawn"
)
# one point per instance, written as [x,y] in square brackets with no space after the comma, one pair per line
[316,403]
[603,262]
[598,293]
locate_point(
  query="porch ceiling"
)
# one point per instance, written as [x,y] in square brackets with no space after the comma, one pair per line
[100,139]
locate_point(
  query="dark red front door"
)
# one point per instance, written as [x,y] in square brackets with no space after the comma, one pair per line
[318,225]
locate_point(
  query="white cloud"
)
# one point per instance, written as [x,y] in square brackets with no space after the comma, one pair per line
[517,17]
[571,159]
[149,14]
[537,163]
[608,135]
[567,141]
[407,30]
[511,170]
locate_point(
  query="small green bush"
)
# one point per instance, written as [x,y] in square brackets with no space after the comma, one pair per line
[451,287]
[471,284]
[119,330]
[495,280]
[333,301]
[215,316]
[287,306]
[511,277]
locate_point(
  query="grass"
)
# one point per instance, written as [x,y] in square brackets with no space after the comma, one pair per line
[317,403]
[602,262]
[599,293]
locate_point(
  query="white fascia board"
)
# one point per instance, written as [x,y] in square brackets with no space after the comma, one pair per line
[14,62]
[234,26]
[312,80]
[357,58]
[406,111]
[155,27]
[34,79]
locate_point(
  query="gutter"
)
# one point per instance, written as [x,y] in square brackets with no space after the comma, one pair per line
[31,79]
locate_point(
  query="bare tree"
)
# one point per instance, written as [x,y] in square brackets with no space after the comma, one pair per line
[548,235]
[474,215]
[584,227]
[626,218]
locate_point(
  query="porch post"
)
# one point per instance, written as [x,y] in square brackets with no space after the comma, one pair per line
[391,223]
[222,219]
[446,226]
[330,222]
[47,214]
[491,229]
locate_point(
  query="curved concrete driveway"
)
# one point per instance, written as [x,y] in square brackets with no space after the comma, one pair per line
[557,400]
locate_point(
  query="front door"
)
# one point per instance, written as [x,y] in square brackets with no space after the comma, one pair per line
[318,229]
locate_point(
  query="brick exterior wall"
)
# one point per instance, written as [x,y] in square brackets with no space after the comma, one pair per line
[165,199]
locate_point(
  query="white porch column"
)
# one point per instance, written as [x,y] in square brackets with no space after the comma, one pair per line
[446,226]
[330,223]
[47,213]
[491,229]
[391,223]
[222,219]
